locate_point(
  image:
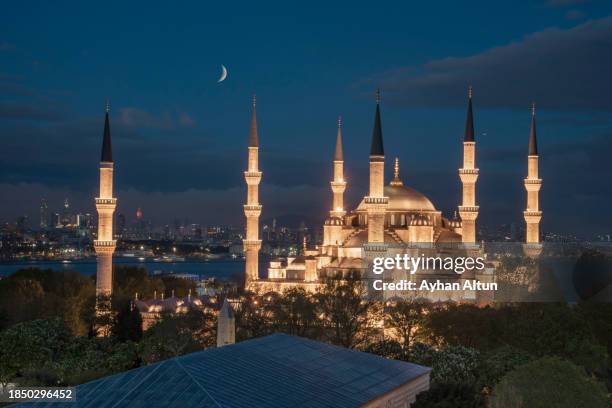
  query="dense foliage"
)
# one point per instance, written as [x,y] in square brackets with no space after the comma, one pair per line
[478,355]
[548,383]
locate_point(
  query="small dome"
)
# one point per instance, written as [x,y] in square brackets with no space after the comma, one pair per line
[334,221]
[420,220]
[455,222]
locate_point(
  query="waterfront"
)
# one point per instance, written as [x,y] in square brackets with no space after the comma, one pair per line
[221,269]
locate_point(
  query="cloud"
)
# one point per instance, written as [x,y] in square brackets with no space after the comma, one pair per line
[206,206]
[139,118]
[565,3]
[29,111]
[5,46]
[563,69]
[574,14]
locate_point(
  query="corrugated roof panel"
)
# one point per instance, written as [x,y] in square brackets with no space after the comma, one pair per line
[273,371]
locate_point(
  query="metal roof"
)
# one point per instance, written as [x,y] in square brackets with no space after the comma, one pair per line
[273,371]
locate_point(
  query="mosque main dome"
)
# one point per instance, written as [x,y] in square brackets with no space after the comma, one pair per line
[404,198]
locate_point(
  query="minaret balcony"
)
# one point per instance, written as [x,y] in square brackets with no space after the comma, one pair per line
[103,201]
[107,247]
[468,176]
[533,184]
[252,177]
[251,245]
[468,213]
[251,211]
[338,186]
[376,204]
[532,217]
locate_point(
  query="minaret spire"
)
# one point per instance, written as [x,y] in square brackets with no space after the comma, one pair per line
[253,137]
[377,138]
[107,150]
[338,156]
[533,141]
[105,243]
[469,121]
[468,175]
[252,209]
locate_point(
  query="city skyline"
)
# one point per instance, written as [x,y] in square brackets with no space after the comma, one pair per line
[51,122]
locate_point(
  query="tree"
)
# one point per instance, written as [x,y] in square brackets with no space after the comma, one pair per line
[86,359]
[297,313]
[130,280]
[252,317]
[496,363]
[31,346]
[175,335]
[385,348]
[548,383]
[405,317]
[127,324]
[344,309]
[455,364]
[32,293]
[463,324]
[450,395]
[179,286]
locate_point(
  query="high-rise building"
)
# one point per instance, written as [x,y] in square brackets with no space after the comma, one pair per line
[44,214]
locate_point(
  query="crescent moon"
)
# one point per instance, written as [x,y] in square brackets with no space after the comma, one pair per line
[223,73]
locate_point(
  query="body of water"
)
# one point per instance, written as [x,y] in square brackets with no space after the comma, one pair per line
[221,269]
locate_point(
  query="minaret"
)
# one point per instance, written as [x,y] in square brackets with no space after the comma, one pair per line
[533,183]
[105,244]
[338,185]
[468,174]
[332,229]
[376,202]
[252,209]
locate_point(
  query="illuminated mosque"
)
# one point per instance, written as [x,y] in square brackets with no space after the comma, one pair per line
[391,219]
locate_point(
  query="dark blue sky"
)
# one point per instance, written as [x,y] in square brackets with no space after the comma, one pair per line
[179,137]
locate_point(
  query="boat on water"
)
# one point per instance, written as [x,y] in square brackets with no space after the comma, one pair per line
[169,259]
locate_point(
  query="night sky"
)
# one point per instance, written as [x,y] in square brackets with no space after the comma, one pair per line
[179,137]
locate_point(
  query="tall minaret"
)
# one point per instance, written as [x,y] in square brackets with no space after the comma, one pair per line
[332,229]
[468,174]
[105,244]
[376,202]
[533,183]
[338,184]
[252,209]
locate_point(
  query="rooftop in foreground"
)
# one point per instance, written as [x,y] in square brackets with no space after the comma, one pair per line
[273,371]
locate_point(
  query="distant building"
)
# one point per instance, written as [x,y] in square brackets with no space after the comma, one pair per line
[152,310]
[44,214]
